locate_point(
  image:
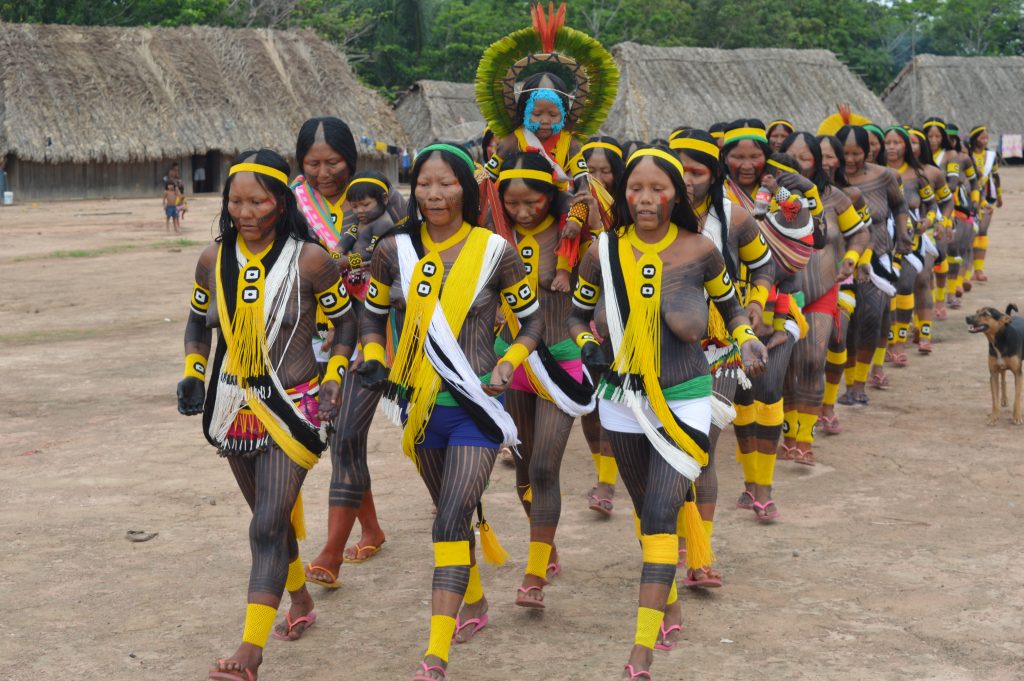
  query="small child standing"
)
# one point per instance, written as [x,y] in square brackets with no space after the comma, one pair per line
[170,200]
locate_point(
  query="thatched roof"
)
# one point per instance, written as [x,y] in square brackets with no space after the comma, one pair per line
[438,110]
[969,91]
[664,87]
[80,94]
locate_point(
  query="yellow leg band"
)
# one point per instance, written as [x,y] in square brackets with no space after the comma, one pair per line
[979,264]
[709,525]
[442,628]
[538,559]
[648,626]
[938,294]
[769,414]
[878,359]
[259,620]
[899,333]
[765,468]
[850,374]
[475,588]
[789,425]
[903,302]
[296,575]
[608,471]
[924,329]
[673,594]
[745,414]
[660,549]
[451,553]
[806,430]
[951,285]
[837,358]
[831,393]
[749,464]
[860,372]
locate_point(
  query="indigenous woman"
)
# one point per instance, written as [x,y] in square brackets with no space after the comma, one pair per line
[326,152]
[778,131]
[966,224]
[920,197]
[549,391]
[736,235]
[833,162]
[936,239]
[605,161]
[654,270]
[444,279]
[890,229]
[987,164]
[943,157]
[260,285]
[819,282]
[876,144]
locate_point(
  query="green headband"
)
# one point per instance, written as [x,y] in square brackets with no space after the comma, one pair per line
[872,126]
[451,149]
[900,129]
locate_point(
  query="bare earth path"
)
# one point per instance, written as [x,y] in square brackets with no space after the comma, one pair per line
[898,558]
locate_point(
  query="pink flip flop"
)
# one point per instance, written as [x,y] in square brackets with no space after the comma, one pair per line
[553,570]
[524,602]
[766,516]
[745,505]
[219,675]
[633,674]
[477,623]
[601,505]
[706,579]
[831,424]
[664,637]
[308,620]
[423,674]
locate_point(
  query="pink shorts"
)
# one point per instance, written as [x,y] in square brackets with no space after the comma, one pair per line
[521,382]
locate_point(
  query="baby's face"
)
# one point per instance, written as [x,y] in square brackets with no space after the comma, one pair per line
[367,209]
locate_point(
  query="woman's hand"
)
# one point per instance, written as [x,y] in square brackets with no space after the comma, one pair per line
[755,357]
[372,375]
[191,396]
[330,400]
[846,269]
[754,312]
[501,376]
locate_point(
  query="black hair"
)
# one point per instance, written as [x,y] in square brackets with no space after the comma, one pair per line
[819,177]
[860,138]
[337,135]
[715,191]
[291,222]
[485,142]
[531,160]
[717,127]
[357,191]
[974,137]
[659,142]
[785,124]
[746,123]
[908,150]
[679,131]
[463,173]
[924,149]
[839,179]
[682,213]
[940,125]
[616,161]
[628,147]
[879,158]
[535,82]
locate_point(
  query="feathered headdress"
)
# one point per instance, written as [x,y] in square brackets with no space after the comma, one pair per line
[831,125]
[548,41]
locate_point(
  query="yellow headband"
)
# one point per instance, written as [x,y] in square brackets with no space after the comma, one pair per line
[523,174]
[368,180]
[977,130]
[260,169]
[658,153]
[915,131]
[684,143]
[782,166]
[937,124]
[783,122]
[602,145]
[738,134]
[717,134]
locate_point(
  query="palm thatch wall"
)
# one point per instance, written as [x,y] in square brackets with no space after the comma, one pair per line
[438,110]
[968,91]
[73,97]
[664,87]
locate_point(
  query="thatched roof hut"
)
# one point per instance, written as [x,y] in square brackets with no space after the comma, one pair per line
[664,87]
[110,97]
[438,110]
[969,91]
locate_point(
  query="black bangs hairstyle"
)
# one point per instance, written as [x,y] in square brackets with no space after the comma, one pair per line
[629,146]
[974,138]
[839,179]
[337,135]
[614,160]
[746,123]
[940,125]
[531,160]
[818,177]
[715,191]
[717,127]
[859,137]
[542,79]
[682,212]
[924,149]
[485,142]
[659,142]
[908,150]
[880,158]
[357,191]
[292,222]
[463,173]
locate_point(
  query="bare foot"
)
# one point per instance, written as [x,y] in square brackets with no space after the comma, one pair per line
[431,668]
[640,660]
[364,549]
[244,662]
[671,627]
[531,593]
[302,605]
[467,626]
[325,567]
[560,282]
[601,498]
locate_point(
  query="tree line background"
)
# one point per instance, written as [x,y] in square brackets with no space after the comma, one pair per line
[392,43]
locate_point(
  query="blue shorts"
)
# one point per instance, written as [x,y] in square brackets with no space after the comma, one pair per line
[452,427]
[171,211]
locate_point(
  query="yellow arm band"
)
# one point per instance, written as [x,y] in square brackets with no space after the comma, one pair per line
[755,253]
[586,294]
[813,201]
[521,298]
[743,333]
[195,366]
[516,355]
[975,196]
[865,257]
[952,168]
[853,256]
[944,194]
[931,215]
[925,192]
[720,287]
[378,297]
[759,295]
[493,165]
[849,220]
[969,172]
[585,337]
[200,299]
[337,365]
[334,301]
[374,352]
[578,165]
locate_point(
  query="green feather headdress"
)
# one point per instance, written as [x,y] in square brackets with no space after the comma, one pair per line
[547,43]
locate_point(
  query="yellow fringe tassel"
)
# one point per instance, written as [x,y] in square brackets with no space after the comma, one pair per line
[698,544]
[494,552]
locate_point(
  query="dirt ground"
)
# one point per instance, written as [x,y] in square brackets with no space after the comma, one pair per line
[897,558]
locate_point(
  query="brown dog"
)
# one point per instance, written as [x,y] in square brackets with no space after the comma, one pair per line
[1005,334]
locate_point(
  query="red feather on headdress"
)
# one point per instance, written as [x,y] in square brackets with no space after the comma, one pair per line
[547,26]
